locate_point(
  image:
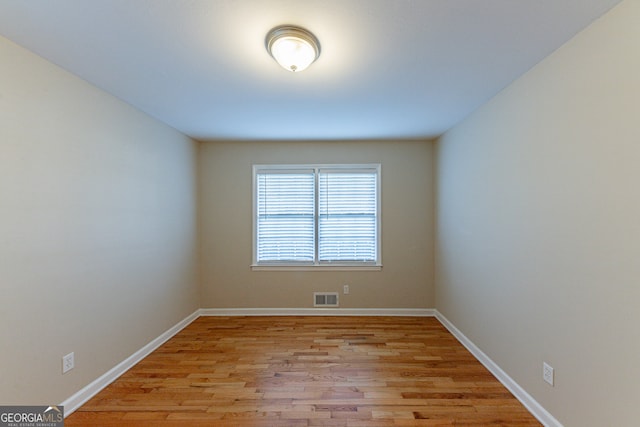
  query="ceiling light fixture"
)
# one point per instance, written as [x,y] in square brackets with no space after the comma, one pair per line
[294,48]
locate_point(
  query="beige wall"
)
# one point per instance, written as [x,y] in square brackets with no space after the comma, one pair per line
[539,225]
[97,229]
[406,280]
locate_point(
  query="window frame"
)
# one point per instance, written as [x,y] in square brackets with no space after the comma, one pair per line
[316,264]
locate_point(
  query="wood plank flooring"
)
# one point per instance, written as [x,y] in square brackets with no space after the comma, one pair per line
[307,371]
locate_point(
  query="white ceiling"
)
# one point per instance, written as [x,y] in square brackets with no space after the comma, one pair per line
[388,69]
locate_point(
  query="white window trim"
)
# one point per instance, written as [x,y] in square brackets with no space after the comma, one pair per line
[292,266]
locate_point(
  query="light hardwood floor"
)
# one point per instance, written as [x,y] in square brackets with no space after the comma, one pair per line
[307,371]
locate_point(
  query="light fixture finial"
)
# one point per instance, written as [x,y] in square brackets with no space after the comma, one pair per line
[294,48]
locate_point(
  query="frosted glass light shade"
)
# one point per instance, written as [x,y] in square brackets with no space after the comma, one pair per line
[294,48]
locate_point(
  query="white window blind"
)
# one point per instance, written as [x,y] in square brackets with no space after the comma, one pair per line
[286,211]
[316,215]
[347,216]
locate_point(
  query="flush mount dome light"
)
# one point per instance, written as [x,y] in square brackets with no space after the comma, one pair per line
[294,48]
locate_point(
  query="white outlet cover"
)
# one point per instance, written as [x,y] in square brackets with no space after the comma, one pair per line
[68,362]
[547,373]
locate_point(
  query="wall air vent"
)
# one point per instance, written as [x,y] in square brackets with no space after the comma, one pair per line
[325,299]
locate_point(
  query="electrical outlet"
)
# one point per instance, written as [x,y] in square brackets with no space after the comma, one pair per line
[68,362]
[547,373]
[345,289]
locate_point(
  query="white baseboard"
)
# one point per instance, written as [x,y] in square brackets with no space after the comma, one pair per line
[78,399]
[525,398]
[411,312]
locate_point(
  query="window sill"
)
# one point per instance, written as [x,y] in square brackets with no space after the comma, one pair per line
[316,267]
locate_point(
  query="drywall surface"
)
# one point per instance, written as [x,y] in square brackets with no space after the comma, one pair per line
[98,242]
[406,278]
[538,233]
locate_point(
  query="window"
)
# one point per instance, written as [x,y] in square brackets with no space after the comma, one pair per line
[316,216]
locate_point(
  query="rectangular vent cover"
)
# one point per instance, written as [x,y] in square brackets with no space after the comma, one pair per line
[325,299]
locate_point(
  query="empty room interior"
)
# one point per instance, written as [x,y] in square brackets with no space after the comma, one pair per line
[492,149]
